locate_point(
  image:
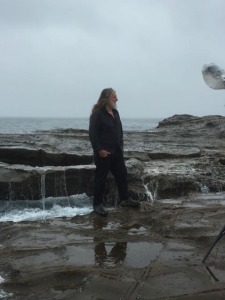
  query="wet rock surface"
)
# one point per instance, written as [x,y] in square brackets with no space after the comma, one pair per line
[151,252]
[184,154]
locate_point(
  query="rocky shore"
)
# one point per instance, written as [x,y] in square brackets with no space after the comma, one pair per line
[153,252]
[184,154]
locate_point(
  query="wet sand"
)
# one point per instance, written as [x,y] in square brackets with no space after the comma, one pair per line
[152,252]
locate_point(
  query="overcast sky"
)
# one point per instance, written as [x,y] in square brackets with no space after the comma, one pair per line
[57,55]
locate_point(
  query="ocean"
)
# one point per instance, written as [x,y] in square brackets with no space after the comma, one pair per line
[28,125]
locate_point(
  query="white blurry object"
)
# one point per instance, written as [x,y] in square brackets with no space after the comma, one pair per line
[213,76]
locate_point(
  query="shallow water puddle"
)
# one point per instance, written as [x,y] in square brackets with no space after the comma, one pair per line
[109,254]
[135,255]
[141,254]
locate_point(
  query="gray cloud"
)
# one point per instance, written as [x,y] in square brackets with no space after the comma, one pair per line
[57,55]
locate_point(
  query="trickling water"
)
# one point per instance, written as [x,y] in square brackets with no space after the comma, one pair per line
[203,188]
[11,194]
[60,183]
[43,190]
[151,192]
[63,205]
[65,188]
[148,193]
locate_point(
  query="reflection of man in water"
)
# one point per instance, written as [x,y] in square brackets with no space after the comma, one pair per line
[116,255]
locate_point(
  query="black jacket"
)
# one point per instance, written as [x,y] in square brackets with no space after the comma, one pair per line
[106,132]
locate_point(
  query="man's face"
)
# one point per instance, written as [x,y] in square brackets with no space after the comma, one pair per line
[112,100]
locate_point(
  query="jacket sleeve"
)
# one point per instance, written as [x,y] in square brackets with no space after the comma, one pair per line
[121,141]
[94,127]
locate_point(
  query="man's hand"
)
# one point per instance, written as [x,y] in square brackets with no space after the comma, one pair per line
[103,153]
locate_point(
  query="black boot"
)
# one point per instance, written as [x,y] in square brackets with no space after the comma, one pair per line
[100,210]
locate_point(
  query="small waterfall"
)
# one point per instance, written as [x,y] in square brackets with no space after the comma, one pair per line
[60,189]
[60,184]
[65,188]
[51,180]
[150,190]
[148,193]
[42,172]
[11,193]
[43,175]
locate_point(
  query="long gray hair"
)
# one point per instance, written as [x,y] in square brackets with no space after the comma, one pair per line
[104,96]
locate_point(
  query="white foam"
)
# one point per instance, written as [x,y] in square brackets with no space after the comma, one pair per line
[5,295]
[49,208]
[35,214]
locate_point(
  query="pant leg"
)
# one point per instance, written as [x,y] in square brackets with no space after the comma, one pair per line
[119,171]
[102,168]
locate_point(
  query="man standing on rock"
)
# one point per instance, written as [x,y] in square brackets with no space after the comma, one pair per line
[106,136]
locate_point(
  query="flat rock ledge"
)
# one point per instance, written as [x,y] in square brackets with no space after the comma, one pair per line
[183,155]
[152,252]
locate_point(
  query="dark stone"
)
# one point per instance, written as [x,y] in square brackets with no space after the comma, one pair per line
[41,158]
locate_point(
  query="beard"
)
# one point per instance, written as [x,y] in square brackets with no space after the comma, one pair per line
[114,106]
[111,105]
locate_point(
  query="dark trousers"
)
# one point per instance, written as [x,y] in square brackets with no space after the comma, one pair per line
[114,163]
